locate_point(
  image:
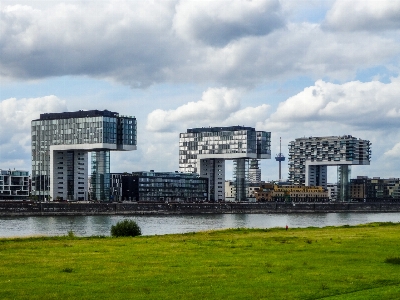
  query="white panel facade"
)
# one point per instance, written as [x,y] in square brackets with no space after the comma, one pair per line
[81,167]
[214,170]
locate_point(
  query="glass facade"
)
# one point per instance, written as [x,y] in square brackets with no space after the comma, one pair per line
[74,131]
[221,141]
[343,182]
[100,180]
[158,187]
[204,151]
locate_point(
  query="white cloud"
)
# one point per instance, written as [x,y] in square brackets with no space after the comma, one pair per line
[368,15]
[140,43]
[394,152]
[366,110]
[216,104]
[217,107]
[248,116]
[16,116]
[219,22]
[365,105]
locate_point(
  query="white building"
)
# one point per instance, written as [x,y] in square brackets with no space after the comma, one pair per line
[254,172]
[14,185]
[204,151]
[60,146]
[230,191]
[332,191]
[310,157]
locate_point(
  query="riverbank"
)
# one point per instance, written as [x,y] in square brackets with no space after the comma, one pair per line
[72,208]
[360,262]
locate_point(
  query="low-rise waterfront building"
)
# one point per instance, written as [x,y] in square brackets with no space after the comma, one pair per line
[363,188]
[158,187]
[332,191]
[14,185]
[230,191]
[291,193]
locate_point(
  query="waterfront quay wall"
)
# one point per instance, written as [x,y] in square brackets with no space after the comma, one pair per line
[73,208]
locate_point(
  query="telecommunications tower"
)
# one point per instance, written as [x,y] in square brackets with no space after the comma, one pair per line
[280,158]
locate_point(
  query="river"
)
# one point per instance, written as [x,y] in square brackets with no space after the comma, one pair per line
[167,224]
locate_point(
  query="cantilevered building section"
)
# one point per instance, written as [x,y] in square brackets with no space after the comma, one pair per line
[204,151]
[60,146]
[310,157]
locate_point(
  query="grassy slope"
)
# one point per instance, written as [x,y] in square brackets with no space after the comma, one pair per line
[329,263]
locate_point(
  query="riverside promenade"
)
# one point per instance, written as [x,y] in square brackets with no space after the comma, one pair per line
[27,208]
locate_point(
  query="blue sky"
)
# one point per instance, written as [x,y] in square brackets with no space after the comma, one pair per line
[295,68]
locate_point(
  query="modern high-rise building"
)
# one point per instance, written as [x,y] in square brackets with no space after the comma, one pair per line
[204,151]
[310,157]
[60,146]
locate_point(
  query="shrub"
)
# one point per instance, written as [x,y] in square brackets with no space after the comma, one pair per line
[393,260]
[67,270]
[125,228]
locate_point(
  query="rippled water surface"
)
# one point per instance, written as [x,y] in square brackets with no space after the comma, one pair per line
[153,225]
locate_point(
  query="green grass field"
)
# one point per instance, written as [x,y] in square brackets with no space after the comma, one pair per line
[361,262]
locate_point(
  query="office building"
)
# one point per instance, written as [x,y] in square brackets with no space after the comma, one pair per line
[158,187]
[332,191]
[230,190]
[310,157]
[14,185]
[204,151]
[60,146]
[367,189]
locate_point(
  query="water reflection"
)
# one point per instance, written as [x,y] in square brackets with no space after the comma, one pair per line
[166,224]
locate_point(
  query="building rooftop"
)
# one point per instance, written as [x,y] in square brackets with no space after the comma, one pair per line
[217,129]
[78,114]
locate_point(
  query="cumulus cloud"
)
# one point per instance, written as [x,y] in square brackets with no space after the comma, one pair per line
[367,15]
[16,116]
[218,22]
[394,152]
[140,43]
[87,38]
[217,107]
[361,104]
